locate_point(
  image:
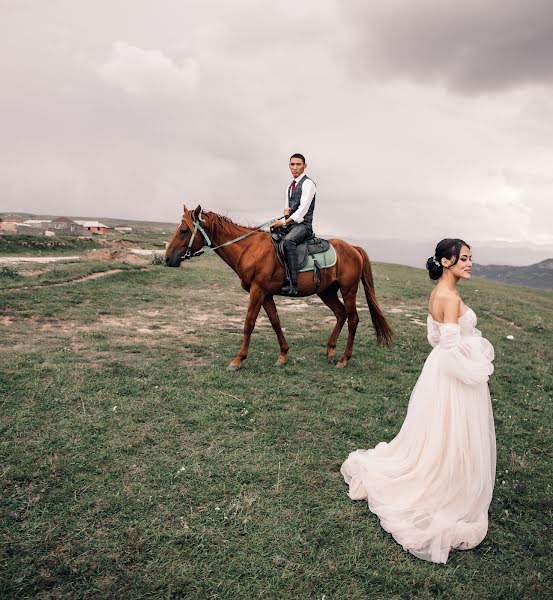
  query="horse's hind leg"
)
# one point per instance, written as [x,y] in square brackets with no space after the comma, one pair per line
[271,310]
[350,302]
[330,298]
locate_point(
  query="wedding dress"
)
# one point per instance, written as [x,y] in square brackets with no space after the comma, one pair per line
[432,485]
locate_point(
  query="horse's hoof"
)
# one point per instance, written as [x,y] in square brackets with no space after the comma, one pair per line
[233,368]
[331,360]
[341,364]
[279,364]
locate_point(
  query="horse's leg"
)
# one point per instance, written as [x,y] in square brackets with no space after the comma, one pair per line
[330,298]
[256,300]
[350,303]
[271,310]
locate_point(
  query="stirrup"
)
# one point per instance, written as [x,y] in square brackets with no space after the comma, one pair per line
[289,289]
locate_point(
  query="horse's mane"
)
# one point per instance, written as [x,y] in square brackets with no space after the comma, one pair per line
[224,223]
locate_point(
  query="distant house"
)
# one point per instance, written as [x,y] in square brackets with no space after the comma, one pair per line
[33,227]
[122,228]
[8,226]
[94,226]
[66,226]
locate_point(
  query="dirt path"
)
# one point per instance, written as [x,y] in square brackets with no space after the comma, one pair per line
[9,260]
[72,281]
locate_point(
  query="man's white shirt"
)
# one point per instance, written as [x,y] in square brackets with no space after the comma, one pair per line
[308,190]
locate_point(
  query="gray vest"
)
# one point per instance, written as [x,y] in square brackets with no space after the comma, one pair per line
[294,203]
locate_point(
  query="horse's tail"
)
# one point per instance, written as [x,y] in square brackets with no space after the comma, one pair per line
[381,326]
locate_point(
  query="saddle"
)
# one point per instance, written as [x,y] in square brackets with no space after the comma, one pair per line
[314,254]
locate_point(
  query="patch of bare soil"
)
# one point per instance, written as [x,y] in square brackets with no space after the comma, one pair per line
[189,325]
[289,305]
[503,320]
[79,280]
[38,259]
[30,272]
[115,255]
[118,244]
[5,321]
[407,310]
[92,276]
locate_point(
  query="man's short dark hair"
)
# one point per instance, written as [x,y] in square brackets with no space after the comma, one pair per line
[298,155]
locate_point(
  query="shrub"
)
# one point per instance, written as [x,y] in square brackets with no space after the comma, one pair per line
[6,271]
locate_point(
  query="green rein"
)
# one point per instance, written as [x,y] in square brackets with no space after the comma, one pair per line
[208,246]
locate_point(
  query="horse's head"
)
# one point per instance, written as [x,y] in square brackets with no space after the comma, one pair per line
[185,240]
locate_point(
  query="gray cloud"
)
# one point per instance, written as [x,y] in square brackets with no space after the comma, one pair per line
[470,47]
[143,72]
[129,109]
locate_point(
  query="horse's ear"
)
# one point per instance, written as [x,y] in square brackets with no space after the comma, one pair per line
[197,211]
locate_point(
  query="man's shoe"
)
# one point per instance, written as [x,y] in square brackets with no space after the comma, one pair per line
[290,289]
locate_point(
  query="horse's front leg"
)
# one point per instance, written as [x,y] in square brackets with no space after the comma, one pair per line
[256,300]
[350,305]
[271,310]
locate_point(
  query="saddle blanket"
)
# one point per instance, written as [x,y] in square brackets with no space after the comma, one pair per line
[314,249]
[325,259]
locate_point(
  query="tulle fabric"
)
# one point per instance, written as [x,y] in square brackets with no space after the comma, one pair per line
[432,485]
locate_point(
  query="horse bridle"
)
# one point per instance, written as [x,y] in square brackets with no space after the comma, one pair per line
[188,254]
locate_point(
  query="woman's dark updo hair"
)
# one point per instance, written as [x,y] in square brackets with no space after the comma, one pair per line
[448,248]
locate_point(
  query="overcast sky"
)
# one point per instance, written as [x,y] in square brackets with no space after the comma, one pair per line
[420,119]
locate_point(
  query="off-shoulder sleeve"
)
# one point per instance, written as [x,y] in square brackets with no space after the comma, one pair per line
[432,332]
[468,358]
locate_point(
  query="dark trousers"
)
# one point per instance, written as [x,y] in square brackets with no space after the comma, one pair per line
[297,234]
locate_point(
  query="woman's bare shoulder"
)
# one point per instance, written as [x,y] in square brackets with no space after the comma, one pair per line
[448,297]
[444,305]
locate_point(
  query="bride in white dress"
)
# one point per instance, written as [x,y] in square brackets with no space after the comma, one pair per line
[432,485]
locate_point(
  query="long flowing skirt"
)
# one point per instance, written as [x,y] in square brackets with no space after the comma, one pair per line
[432,485]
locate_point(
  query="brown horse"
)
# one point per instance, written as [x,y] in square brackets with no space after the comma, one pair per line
[255,261]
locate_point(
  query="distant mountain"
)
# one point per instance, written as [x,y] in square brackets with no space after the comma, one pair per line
[539,275]
[414,253]
[147,225]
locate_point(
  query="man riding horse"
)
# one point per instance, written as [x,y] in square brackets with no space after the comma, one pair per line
[297,225]
[250,254]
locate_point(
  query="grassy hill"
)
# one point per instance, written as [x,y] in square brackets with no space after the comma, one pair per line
[539,275]
[135,466]
[141,225]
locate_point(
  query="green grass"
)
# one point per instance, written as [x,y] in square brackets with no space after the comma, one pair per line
[135,466]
